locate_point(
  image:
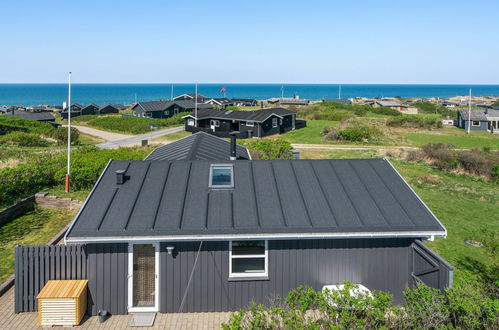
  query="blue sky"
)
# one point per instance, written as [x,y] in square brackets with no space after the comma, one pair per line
[250,41]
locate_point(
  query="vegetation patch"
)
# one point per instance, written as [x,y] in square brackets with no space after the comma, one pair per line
[49,170]
[353,131]
[466,307]
[24,139]
[269,149]
[415,121]
[340,112]
[476,162]
[33,228]
[133,125]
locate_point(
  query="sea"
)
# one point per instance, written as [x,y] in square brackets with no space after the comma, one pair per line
[56,94]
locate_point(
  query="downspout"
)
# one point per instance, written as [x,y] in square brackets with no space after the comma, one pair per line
[188,285]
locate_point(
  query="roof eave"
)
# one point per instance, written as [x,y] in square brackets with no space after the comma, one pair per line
[271,236]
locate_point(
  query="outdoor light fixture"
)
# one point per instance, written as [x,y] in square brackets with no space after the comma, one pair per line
[170,249]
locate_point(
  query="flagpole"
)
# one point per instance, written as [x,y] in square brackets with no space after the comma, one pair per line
[469,113]
[196,106]
[69,133]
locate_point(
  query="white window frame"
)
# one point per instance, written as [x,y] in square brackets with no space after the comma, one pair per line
[275,122]
[246,256]
[157,293]
[250,123]
[475,121]
[230,167]
[215,123]
[190,122]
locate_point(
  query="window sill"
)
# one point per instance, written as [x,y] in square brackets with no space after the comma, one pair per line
[248,278]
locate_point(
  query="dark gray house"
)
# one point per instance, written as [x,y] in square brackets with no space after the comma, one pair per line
[480,120]
[108,108]
[246,124]
[38,116]
[166,109]
[220,102]
[91,109]
[199,146]
[201,98]
[249,230]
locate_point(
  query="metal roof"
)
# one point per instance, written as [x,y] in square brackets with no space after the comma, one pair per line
[171,200]
[384,103]
[253,115]
[198,146]
[480,115]
[39,116]
[152,106]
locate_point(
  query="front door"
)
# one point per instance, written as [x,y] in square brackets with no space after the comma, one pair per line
[143,277]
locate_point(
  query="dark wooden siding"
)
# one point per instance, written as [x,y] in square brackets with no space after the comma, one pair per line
[107,268]
[35,265]
[381,264]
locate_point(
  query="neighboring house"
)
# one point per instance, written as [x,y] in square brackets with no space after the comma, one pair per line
[38,108]
[64,114]
[4,109]
[341,101]
[450,104]
[108,108]
[76,107]
[242,231]
[120,106]
[245,102]
[91,109]
[479,120]
[288,101]
[200,98]
[199,146]
[256,123]
[166,109]
[38,116]
[221,102]
[396,105]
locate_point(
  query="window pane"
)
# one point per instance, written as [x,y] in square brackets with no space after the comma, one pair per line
[248,265]
[221,176]
[248,247]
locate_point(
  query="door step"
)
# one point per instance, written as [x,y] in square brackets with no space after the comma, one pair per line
[143,319]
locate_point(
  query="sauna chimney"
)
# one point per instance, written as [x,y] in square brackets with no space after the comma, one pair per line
[233,146]
[120,176]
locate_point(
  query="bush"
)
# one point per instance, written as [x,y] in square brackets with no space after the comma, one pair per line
[48,170]
[415,122]
[134,125]
[304,308]
[61,135]
[361,133]
[386,111]
[13,124]
[23,139]
[442,154]
[269,149]
[476,162]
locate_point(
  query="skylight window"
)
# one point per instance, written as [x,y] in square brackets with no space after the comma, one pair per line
[221,176]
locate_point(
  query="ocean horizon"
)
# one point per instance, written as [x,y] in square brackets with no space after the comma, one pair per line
[127,93]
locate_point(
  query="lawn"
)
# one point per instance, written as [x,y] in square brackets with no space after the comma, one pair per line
[458,137]
[34,228]
[310,134]
[465,205]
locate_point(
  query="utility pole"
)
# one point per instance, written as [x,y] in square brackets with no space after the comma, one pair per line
[69,133]
[469,113]
[196,106]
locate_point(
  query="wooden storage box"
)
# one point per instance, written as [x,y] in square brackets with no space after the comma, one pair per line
[62,303]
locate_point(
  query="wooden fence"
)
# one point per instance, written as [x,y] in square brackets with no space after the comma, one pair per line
[35,265]
[429,268]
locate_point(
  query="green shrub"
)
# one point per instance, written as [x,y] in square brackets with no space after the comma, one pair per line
[495,173]
[134,125]
[462,307]
[48,170]
[415,121]
[385,111]
[269,149]
[61,135]
[12,124]
[24,139]
[352,133]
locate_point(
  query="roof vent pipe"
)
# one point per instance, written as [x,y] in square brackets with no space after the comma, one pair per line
[296,154]
[120,176]
[233,146]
